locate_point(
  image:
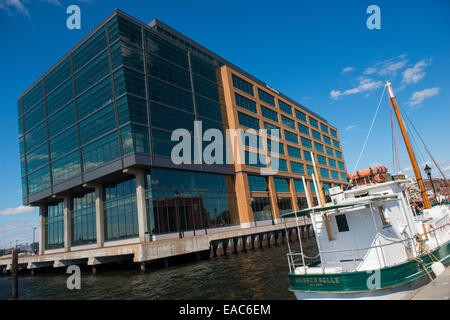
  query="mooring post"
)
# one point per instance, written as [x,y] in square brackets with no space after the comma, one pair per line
[15,282]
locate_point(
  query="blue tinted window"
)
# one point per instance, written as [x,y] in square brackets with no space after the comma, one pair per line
[101,151]
[303,129]
[62,120]
[288,122]
[245,103]
[294,152]
[242,85]
[300,115]
[299,186]
[95,98]
[269,114]
[285,107]
[246,120]
[34,116]
[291,137]
[66,168]
[257,183]
[281,185]
[33,96]
[89,49]
[97,124]
[306,143]
[60,97]
[316,135]
[313,122]
[297,167]
[268,98]
[58,75]
[64,143]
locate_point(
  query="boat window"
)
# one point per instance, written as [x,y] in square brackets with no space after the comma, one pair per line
[383,216]
[341,221]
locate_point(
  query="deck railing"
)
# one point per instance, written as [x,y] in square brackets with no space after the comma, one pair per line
[297,258]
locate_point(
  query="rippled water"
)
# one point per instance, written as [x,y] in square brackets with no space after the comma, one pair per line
[256,274]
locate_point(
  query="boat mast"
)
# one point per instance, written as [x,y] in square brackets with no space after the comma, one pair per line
[412,157]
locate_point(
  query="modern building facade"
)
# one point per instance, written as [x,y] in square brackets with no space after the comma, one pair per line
[95,141]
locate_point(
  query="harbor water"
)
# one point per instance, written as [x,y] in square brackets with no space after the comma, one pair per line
[256,274]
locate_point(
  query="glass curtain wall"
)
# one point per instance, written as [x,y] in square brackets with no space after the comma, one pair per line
[84,220]
[55,226]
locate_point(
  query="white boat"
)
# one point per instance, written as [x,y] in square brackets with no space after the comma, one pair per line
[371,244]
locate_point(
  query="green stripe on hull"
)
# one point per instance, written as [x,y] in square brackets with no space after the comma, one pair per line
[358,281]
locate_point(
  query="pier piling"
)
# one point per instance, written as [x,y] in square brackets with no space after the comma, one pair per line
[14,280]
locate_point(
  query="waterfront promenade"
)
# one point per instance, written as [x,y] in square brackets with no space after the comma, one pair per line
[217,241]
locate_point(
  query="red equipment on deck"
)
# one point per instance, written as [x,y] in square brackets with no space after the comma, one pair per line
[369,175]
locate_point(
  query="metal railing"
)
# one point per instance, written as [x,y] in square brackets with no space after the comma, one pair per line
[294,258]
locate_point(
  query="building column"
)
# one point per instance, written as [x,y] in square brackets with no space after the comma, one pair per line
[67,223]
[243,200]
[99,216]
[273,200]
[42,228]
[141,206]
[293,195]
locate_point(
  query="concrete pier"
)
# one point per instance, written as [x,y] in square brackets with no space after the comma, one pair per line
[218,242]
[438,289]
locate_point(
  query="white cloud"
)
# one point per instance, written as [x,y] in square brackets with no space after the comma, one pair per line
[350,127]
[18,210]
[391,68]
[416,73]
[347,69]
[419,96]
[16,225]
[370,70]
[365,84]
[6,5]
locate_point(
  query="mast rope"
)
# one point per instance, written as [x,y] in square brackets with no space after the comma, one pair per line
[368,134]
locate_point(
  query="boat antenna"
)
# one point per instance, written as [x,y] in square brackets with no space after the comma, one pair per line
[412,157]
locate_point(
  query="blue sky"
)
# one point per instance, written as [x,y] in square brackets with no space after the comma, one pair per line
[320,53]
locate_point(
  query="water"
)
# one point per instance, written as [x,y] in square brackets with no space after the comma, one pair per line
[256,274]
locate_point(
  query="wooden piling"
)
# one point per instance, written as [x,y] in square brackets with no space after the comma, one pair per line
[15,280]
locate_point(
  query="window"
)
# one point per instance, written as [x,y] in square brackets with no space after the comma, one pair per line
[338,154]
[246,120]
[299,186]
[89,49]
[334,174]
[319,147]
[58,75]
[59,97]
[84,219]
[166,50]
[269,127]
[168,72]
[314,122]
[132,109]
[262,209]
[300,115]
[135,139]
[36,137]
[39,180]
[281,185]
[164,93]
[203,68]
[332,163]
[269,114]
[285,107]
[341,222]
[343,176]
[209,109]
[34,116]
[101,151]
[282,164]
[324,173]
[206,88]
[288,122]
[245,103]
[255,160]
[327,140]
[93,72]
[291,137]
[279,150]
[66,168]
[95,98]
[97,124]
[297,167]
[307,156]
[284,205]
[324,128]
[61,120]
[294,152]
[316,135]
[306,143]
[336,144]
[268,98]
[330,152]
[64,143]
[33,96]
[333,133]
[242,85]
[321,160]
[130,32]
[341,165]
[257,183]
[303,129]
[37,158]
[383,216]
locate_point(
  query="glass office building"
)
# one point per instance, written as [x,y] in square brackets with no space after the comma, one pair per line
[95,139]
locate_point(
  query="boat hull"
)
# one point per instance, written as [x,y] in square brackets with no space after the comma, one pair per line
[397,282]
